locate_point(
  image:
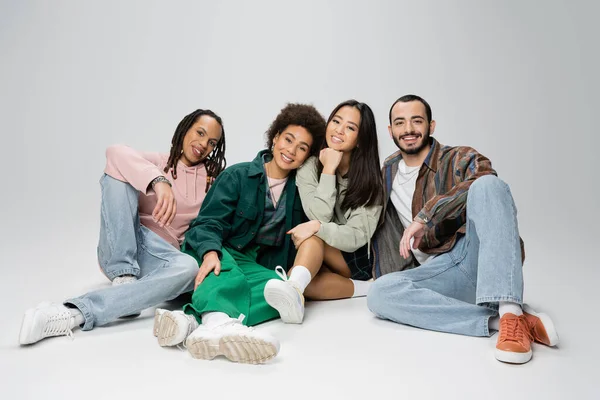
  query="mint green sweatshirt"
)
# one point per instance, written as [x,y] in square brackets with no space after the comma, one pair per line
[321,199]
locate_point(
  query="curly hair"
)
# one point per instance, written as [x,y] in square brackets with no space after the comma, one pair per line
[303,115]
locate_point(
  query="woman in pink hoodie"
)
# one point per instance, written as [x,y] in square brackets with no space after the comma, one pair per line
[148,201]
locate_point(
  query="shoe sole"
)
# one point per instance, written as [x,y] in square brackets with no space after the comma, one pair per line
[283,304]
[26,327]
[512,357]
[157,317]
[236,348]
[168,331]
[548,325]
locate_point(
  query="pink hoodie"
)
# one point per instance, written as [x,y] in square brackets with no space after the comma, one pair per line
[139,169]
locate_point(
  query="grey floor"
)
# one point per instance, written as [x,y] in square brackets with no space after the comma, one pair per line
[341,350]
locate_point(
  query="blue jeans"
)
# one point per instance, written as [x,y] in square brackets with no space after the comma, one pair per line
[459,291]
[126,247]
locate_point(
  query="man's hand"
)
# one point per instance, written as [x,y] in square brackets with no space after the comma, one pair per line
[330,159]
[166,206]
[210,262]
[303,231]
[416,230]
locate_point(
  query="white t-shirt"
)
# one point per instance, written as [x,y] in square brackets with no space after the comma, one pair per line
[403,189]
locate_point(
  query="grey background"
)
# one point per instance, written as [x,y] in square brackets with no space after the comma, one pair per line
[517,80]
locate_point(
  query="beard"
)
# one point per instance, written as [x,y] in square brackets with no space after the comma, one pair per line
[417,149]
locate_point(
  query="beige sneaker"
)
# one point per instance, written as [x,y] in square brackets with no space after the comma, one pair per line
[173,327]
[234,340]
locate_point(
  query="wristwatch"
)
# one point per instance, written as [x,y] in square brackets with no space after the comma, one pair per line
[160,179]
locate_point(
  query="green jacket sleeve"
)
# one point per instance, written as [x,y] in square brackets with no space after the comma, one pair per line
[213,223]
[318,195]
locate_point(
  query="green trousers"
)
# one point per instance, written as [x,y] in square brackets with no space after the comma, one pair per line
[238,289]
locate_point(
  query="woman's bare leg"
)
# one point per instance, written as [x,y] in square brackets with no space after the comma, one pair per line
[333,281]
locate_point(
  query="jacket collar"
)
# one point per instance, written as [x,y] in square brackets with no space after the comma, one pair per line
[256,165]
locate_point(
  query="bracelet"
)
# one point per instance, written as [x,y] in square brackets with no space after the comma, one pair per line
[160,179]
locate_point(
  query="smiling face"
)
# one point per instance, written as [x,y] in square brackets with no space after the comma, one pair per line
[342,130]
[200,140]
[410,129]
[291,147]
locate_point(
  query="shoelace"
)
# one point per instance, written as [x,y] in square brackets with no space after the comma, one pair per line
[238,323]
[59,325]
[515,328]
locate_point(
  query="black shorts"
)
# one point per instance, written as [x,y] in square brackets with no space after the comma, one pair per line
[359,264]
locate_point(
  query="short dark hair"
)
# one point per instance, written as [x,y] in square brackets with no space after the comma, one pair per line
[413,97]
[303,115]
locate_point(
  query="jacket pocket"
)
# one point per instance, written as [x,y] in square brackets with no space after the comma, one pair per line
[246,211]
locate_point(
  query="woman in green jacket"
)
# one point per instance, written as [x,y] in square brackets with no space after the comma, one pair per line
[341,192]
[238,238]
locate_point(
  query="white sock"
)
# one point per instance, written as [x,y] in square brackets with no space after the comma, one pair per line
[77,317]
[300,275]
[214,318]
[494,323]
[508,307]
[361,288]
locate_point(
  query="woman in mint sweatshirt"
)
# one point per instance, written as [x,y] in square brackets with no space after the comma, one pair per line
[238,238]
[148,202]
[341,192]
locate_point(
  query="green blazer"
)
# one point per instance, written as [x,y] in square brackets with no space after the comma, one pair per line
[233,211]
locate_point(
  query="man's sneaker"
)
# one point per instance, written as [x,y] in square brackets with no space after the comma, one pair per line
[541,326]
[234,340]
[514,340]
[173,327]
[124,280]
[46,320]
[284,296]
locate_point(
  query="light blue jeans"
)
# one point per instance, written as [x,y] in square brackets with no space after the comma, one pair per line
[459,291]
[127,247]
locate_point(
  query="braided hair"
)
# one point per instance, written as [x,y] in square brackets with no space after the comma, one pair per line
[215,163]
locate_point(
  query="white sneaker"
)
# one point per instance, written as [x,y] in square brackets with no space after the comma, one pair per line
[173,327]
[124,280]
[158,313]
[234,340]
[285,297]
[46,320]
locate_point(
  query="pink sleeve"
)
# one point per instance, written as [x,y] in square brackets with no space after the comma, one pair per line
[128,165]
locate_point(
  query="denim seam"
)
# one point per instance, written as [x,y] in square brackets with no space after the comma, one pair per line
[430,276]
[489,299]
[152,253]
[88,317]
[121,272]
[486,325]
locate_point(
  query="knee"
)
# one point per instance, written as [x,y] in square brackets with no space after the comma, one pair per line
[187,266]
[385,291]
[313,243]
[487,183]
[113,185]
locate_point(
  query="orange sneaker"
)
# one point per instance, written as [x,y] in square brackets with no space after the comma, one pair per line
[541,326]
[514,340]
